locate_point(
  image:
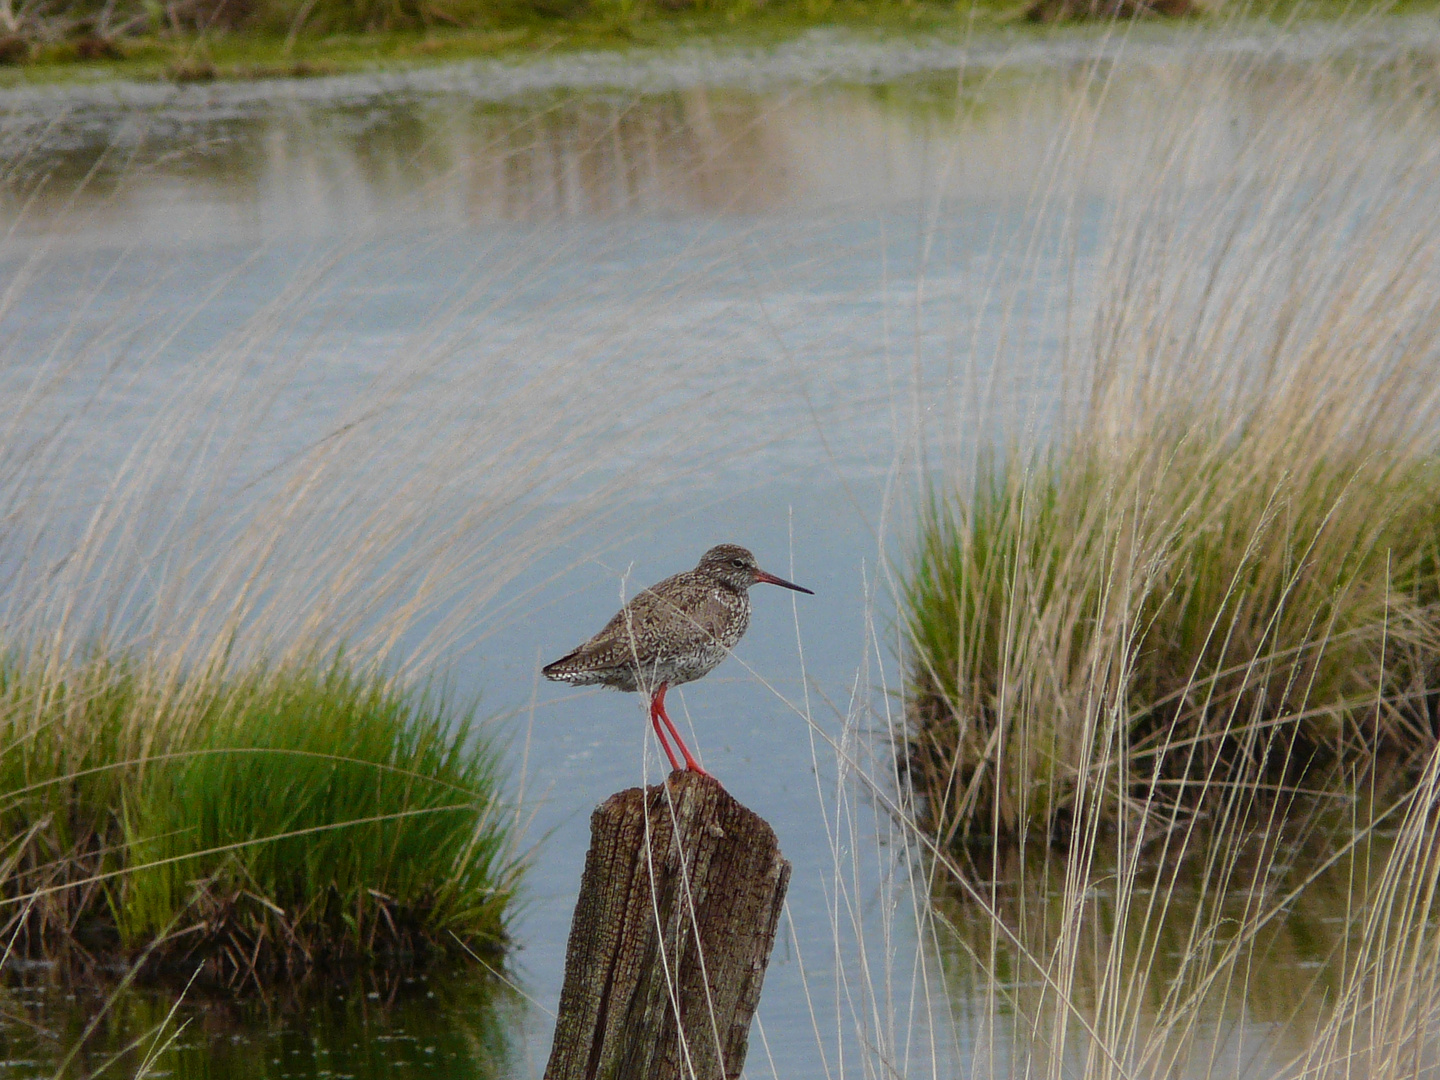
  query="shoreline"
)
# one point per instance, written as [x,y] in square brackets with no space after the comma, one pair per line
[740,59]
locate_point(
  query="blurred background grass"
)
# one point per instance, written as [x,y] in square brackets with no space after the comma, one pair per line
[196,40]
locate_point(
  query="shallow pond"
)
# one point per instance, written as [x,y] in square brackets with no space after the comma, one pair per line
[785,286]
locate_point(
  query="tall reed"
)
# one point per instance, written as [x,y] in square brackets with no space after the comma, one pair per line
[232,569]
[1184,623]
[1221,565]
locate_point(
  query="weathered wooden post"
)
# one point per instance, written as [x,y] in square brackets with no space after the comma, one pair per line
[677,913]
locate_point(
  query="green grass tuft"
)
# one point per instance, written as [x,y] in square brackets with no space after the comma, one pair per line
[266,821]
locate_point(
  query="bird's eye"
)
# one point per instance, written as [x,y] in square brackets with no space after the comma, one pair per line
[737,562]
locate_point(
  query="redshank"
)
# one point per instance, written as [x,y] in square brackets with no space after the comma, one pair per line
[671,633]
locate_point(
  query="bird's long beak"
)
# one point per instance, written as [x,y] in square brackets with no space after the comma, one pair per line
[771,579]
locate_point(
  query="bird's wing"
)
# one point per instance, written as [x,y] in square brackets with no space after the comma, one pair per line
[694,619]
[662,621]
[617,643]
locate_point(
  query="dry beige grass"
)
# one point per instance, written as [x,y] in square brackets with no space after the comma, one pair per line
[232,582]
[1223,568]
[1191,627]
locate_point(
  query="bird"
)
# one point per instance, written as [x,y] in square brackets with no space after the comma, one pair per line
[674,632]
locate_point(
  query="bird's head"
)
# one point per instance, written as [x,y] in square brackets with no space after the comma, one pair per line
[737,568]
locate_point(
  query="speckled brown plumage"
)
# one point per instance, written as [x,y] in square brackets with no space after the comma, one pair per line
[673,632]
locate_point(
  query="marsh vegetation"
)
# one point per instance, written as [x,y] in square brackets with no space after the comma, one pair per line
[248,825]
[1220,567]
[1171,644]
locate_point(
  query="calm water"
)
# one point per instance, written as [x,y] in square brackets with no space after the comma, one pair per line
[784,279]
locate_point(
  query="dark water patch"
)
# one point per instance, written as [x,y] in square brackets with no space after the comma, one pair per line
[456,1023]
[1237,948]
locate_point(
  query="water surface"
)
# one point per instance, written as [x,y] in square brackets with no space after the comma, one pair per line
[781,291]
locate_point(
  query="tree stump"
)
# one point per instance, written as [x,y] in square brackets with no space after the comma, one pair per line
[677,913]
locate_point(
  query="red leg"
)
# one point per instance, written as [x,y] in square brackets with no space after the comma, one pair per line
[660,732]
[657,709]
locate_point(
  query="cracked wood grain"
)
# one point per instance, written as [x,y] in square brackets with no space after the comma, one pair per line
[679,903]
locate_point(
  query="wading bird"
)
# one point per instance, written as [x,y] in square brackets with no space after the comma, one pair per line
[672,633]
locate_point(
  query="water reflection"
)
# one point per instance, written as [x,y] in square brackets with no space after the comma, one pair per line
[305,167]
[689,152]
[1230,959]
[459,1024]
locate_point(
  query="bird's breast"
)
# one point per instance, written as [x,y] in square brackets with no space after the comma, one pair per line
[733,628]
